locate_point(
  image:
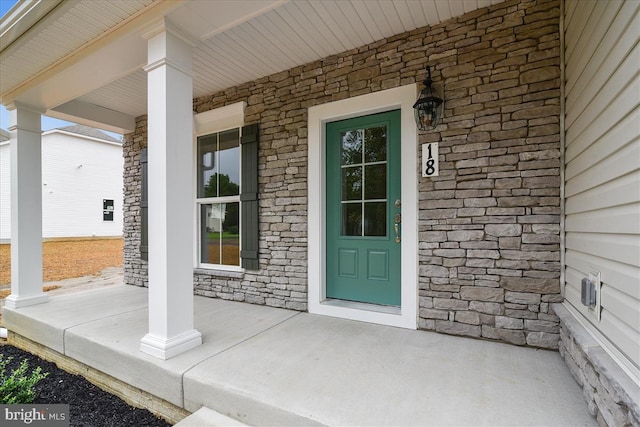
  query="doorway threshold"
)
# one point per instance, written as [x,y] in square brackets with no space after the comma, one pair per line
[354,305]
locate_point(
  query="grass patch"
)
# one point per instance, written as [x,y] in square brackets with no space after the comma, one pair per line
[225,235]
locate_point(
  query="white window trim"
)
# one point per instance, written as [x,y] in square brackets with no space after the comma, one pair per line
[219,119]
[212,121]
[398,98]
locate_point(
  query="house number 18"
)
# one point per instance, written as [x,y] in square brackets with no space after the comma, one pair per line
[430,159]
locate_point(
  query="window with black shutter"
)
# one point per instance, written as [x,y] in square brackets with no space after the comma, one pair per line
[249,197]
[226,199]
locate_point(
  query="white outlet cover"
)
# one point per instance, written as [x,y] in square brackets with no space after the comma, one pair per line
[595,278]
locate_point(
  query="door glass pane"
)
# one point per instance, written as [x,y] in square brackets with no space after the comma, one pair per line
[352,219]
[351,147]
[375,219]
[352,183]
[364,177]
[375,144]
[375,181]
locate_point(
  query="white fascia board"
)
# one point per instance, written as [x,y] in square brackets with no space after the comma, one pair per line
[21,17]
[94,116]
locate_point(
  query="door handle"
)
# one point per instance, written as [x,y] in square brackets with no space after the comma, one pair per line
[396,226]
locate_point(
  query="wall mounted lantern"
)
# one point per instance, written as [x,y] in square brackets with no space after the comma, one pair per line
[428,107]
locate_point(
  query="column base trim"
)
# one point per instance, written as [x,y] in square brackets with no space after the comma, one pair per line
[16,301]
[166,348]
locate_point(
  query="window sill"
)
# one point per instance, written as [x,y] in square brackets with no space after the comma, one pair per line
[219,272]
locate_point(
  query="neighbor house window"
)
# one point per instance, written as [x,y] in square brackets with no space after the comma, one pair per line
[218,197]
[107,209]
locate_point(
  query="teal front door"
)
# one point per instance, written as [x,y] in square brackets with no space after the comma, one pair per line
[363,209]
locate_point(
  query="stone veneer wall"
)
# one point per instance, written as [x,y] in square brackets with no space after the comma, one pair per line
[611,395]
[489,224]
[135,269]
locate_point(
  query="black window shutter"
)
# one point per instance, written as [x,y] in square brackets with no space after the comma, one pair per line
[249,198]
[144,205]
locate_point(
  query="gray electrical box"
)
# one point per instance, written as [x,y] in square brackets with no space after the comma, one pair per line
[588,294]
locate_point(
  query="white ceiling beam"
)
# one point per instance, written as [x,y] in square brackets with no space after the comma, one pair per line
[94,116]
[233,14]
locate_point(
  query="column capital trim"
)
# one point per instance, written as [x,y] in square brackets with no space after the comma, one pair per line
[24,117]
[168,63]
[17,105]
[13,128]
[164,25]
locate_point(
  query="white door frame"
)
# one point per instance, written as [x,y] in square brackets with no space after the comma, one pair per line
[391,99]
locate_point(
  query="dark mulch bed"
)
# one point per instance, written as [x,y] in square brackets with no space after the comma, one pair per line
[89,405]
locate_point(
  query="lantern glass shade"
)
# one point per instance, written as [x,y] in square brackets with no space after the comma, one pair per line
[428,107]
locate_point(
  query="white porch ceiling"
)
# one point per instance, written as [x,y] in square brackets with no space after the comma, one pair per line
[88,56]
[64,30]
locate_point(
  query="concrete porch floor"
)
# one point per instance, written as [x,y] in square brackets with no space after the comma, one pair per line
[269,366]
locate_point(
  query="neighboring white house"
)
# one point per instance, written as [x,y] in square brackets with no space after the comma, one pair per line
[81,184]
[215,217]
[529,233]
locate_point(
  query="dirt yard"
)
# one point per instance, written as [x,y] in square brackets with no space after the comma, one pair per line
[69,258]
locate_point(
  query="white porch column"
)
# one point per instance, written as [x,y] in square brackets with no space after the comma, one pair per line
[26,208]
[171,190]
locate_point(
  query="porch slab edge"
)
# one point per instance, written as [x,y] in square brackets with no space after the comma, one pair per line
[43,333]
[234,403]
[206,417]
[130,394]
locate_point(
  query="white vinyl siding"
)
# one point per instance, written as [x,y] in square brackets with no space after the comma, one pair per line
[78,173]
[602,164]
